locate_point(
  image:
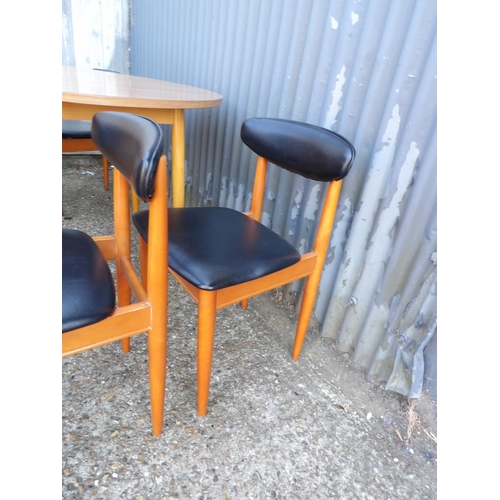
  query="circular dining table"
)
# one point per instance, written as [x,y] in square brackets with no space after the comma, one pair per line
[85,92]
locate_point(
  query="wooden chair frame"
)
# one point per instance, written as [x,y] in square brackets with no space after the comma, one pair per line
[149,313]
[310,265]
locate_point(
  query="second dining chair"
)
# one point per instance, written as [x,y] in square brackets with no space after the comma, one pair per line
[222,256]
[90,316]
[76,138]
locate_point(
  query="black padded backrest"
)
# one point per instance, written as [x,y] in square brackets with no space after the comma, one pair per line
[133,144]
[311,151]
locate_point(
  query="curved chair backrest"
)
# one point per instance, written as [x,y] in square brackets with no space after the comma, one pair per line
[133,144]
[311,151]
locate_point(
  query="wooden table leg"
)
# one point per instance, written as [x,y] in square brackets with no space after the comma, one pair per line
[178,145]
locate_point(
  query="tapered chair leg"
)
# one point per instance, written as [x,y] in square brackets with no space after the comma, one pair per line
[157,355]
[158,297]
[206,327]
[306,309]
[321,246]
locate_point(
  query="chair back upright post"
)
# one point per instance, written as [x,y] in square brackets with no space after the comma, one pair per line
[258,188]
[259,185]
[122,234]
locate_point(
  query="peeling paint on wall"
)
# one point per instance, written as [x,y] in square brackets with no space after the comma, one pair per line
[335,107]
[224,189]
[296,208]
[312,203]
[266,219]
[208,187]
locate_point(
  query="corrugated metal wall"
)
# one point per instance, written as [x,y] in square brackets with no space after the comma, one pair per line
[365,69]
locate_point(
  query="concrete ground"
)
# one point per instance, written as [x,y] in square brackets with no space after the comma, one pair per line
[276,429]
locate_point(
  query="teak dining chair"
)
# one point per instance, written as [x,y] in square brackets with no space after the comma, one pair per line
[222,256]
[90,316]
[76,138]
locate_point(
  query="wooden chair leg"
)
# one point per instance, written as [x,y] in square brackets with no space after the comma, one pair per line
[306,308]
[321,246]
[157,356]
[158,298]
[206,327]
[126,345]
[105,166]
[244,303]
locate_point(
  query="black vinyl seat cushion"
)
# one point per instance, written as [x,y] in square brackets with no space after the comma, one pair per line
[216,247]
[76,129]
[88,292]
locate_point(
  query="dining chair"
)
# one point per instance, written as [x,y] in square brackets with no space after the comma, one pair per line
[97,308]
[76,138]
[222,256]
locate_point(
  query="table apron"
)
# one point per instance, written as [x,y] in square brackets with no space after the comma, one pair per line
[75,111]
